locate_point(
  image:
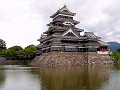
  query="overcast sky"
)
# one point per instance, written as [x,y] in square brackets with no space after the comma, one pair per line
[23,21]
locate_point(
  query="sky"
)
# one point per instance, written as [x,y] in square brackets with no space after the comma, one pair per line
[23,21]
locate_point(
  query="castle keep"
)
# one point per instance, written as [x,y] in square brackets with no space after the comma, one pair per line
[62,43]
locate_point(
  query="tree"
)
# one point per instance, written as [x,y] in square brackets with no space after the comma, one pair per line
[2,45]
[16,48]
[12,52]
[118,50]
[17,52]
[29,52]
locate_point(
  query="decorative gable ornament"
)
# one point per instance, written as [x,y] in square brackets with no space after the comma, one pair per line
[69,33]
[68,23]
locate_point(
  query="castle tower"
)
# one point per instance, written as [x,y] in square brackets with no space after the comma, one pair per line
[63,36]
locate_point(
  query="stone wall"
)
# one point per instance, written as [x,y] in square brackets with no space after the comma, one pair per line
[59,59]
[94,58]
[4,61]
[70,58]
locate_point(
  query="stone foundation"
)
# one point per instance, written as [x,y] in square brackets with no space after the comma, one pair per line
[70,58]
[94,58]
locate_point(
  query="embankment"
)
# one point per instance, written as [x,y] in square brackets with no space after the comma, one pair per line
[4,61]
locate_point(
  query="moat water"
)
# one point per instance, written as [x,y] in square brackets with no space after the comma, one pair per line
[20,77]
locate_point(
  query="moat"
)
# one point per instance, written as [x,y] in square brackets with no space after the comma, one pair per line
[86,77]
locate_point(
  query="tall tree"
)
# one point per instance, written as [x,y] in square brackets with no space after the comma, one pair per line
[2,45]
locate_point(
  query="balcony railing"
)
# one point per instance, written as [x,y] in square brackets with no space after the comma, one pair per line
[104,50]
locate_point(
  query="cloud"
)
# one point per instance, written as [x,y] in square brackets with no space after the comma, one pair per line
[23,21]
[18,23]
[103,19]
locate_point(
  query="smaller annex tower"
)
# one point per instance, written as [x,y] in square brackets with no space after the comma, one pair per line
[62,43]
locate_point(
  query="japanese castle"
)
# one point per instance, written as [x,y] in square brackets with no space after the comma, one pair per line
[62,35]
[63,44]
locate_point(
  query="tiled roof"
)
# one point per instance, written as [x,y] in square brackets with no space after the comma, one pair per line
[63,10]
[91,35]
[103,43]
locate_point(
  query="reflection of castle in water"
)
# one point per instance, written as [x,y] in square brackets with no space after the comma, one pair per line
[74,77]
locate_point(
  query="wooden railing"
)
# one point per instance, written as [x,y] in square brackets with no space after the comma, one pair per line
[104,50]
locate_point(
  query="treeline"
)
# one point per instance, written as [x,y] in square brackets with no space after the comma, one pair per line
[116,56]
[17,52]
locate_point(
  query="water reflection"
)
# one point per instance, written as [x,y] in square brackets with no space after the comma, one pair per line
[117,66]
[73,77]
[16,77]
[2,78]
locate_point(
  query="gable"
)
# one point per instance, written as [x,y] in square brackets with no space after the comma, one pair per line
[69,33]
[65,9]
